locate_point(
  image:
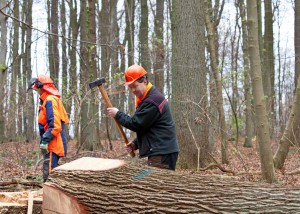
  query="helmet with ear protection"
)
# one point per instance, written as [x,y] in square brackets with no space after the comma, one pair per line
[42,80]
[38,84]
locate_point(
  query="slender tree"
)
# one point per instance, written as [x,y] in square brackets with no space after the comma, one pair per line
[158,44]
[29,104]
[266,159]
[13,116]
[129,42]
[217,78]
[247,83]
[144,56]
[71,98]
[53,39]
[288,137]
[104,26]
[290,134]
[268,62]
[3,69]
[84,80]
[297,41]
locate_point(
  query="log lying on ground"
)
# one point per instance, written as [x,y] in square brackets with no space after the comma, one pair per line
[21,202]
[85,186]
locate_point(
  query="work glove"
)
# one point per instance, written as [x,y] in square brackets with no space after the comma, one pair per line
[44,147]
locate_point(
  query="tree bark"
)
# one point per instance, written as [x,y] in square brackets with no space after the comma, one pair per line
[297,62]
[266,159]
[29,105]
[218,81]
[129,41]
[268,64]
[189,89]
[13,114]
[3,48]
[95,185]
[247,83]
[53,41]
[297,42]
[159,47]
[71,98]
[144,57]
[289,136]
[84,79]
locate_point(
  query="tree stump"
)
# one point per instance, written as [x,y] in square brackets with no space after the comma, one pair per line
[95,185]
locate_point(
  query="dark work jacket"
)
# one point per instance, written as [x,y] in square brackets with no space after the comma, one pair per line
[153,124]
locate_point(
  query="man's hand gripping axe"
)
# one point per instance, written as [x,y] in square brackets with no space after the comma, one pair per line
[99,83]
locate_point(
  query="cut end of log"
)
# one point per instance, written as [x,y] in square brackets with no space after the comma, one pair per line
[92,164]
[55,200]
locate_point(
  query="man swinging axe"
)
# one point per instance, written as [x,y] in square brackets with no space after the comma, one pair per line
[98,83]
[152,121]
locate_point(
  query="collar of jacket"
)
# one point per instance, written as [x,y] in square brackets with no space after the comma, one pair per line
[44,96]
[139,100]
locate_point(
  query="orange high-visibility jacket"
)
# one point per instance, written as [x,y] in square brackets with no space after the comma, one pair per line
[52,119]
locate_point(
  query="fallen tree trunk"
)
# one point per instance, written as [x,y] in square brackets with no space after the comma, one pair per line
[95,185]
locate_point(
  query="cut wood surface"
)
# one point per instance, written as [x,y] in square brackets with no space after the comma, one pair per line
[17,202]
[132,188]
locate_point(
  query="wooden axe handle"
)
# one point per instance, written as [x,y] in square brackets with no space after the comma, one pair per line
[108,103]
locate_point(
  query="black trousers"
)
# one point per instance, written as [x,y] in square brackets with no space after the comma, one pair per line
[167,161]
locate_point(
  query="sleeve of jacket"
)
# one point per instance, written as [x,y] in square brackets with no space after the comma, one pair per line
[53,120]
[141,120]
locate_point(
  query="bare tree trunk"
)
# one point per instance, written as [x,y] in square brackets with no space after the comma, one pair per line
[289,136]
[268,64]
[218,82]
[159,51]
[3,71]
[189,98]
[84,80]
[297,61]
[247,83]
[129,39]
[144,56]
[53,40]
[94,139]
[71,98]
[29,105]
[105,29]
[266,159]
[297,42]
[117,86]
[13,112]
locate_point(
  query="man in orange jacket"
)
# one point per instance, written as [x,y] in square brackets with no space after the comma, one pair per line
[51,120]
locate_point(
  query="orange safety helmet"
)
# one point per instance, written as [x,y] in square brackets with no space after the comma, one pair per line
[45,82]
[133,73]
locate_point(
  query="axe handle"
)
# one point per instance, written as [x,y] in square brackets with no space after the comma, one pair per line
[109,105]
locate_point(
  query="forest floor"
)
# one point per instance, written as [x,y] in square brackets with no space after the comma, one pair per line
[22,161]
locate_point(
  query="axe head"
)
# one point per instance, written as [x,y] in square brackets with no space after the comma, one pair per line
[96,83]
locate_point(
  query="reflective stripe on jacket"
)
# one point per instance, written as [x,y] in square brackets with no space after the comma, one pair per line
[52,119]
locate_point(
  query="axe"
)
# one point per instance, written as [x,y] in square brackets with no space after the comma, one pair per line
[99,83]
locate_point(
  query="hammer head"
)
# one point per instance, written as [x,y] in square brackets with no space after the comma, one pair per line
[97,83]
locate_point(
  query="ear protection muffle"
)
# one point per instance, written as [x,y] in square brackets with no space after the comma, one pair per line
[39,84]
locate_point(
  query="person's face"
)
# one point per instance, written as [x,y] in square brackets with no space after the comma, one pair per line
[40,91]
[137,88]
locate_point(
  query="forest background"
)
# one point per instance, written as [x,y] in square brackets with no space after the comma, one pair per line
[228,68]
